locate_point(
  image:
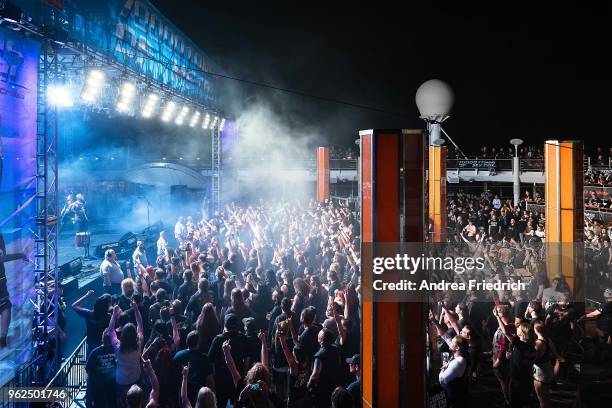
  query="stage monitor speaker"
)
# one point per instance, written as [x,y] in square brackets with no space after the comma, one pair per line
[71,268]
[101,249]
[128,240]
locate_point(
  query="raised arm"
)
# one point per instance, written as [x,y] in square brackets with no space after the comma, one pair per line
[293,366]
[184,397]
[265,359]
[229,360]
[502,326]
[150,373]
[111,326]
[139,326]
[176,335]
[77,303]
[341,330]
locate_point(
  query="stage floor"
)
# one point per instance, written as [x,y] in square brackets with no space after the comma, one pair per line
[75,325]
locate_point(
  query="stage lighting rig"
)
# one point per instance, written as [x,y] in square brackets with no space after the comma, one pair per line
[168,111]
[222,125]
[194,119]
[126,97]
[59,96]
[206,122]
[150,105]
[215,122]
[181,116]
[93,85]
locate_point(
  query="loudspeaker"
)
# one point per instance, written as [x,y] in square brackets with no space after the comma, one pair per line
[71,268]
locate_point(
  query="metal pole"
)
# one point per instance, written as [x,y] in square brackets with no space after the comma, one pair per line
[516,180]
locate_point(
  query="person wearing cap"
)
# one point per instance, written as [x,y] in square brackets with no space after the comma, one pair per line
[253,345]
[225,388]
[354,388]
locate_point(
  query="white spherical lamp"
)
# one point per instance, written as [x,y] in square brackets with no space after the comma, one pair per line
[434,98]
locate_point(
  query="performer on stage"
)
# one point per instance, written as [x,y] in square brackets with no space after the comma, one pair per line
[139,257]
[65,214]
[79,214]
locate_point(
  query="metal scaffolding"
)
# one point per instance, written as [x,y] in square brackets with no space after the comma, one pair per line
[216,169]
[46,343]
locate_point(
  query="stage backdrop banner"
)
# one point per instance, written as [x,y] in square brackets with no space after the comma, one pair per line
[18,83]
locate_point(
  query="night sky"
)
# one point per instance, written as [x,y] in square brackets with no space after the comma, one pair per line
[528,73]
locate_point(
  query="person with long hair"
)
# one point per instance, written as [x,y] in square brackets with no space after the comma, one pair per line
[207,325]
[206,397]
[543,371]
[96,319]
[128,351]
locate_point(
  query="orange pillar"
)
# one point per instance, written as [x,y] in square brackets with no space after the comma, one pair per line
[564,210]
[322,174]
[437,193]
[392,210]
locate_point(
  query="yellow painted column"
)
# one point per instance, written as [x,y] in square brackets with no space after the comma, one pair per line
[437,193]
[323,174]
[564,178]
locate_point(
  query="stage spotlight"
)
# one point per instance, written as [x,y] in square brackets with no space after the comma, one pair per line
[222,125]
[206,122]
[181,116]
[194,119]
[150,105]
[168,111]
[59,96]
[93,84]
[126,96]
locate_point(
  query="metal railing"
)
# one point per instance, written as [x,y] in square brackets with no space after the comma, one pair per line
[593,214]
[24,377]
[72,375]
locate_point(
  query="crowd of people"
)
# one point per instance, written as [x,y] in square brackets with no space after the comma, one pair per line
[530,338]
[255,307]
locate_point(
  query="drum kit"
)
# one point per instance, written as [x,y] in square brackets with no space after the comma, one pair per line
[83,240]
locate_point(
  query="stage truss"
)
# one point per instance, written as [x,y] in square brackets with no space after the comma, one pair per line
[56,61]
[45,328]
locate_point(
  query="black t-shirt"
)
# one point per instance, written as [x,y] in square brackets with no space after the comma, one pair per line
[223,378]
[185,291]
[331,372]
[101,366]
[308,339]
[520,306]
[94,328]
[200,366]
[253,348]
[521,367]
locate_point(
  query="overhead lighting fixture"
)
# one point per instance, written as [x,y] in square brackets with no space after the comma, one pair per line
[206,122]
[93,85]
[126,96]
[222,125]
[181,116]
[59,96]
[150,105]
[194,119]
[168,111]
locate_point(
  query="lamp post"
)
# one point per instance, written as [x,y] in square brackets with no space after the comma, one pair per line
[434,99]
[516,172]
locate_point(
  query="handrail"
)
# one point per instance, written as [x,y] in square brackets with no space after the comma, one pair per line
[71,376]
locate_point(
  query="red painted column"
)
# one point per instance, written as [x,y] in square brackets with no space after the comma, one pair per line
[392,210]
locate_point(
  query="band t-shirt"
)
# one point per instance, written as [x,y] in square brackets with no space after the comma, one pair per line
[101,366]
